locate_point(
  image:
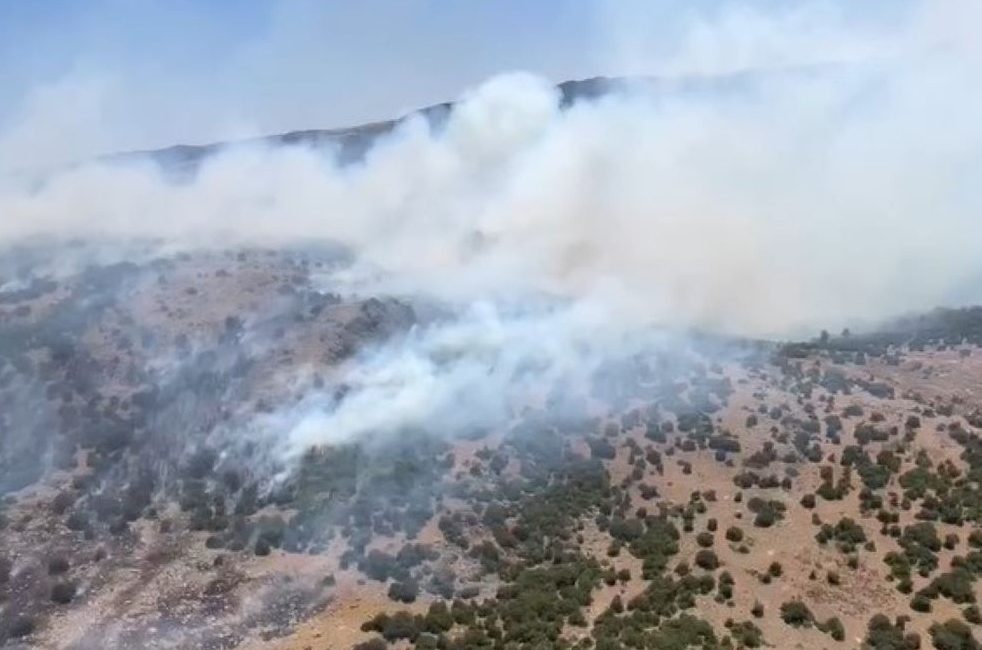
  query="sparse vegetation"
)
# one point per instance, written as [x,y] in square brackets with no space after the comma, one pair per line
[606,527]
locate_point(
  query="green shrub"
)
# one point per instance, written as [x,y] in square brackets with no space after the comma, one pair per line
[796,614]
[920,603]
[404,592]
[953,635]
[707,560]
[834,628]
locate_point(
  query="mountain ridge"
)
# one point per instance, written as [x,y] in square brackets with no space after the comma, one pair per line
[352,142]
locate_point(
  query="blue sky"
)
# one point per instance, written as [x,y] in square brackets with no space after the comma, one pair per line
[354,59]
[115,74]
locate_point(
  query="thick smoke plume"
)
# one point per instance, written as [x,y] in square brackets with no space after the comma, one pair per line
[802,200]
[766,203]
[469,376]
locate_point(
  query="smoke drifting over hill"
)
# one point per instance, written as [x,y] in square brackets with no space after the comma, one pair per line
[769,203]
[509,354]
[789,200]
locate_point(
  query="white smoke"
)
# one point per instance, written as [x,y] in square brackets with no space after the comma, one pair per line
[770,204]
[806,200]
[468,375]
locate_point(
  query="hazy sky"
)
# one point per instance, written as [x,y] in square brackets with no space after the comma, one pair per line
[84,76]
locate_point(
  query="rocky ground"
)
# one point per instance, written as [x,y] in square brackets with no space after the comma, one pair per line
[819,495]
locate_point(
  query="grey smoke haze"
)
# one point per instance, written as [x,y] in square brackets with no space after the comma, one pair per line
[81,79]
[815,197]
[473,374]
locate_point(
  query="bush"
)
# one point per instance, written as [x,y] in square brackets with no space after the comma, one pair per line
[438,618]
[956,585]
[953,635]
[404,592]
[401,625]
[767,512]
[920,603]
[734,534]
[847,533]
[707,560]
[834,628]
[63,593]
[373,644]
[704,539]
[881,634]
[747,635]
[796,614]
[601,448]
[853,410]
[21,627]
[57,565]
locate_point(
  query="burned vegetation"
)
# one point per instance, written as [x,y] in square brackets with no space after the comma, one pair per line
[822,494]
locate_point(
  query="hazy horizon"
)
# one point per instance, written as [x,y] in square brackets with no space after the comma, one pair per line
[84,79]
